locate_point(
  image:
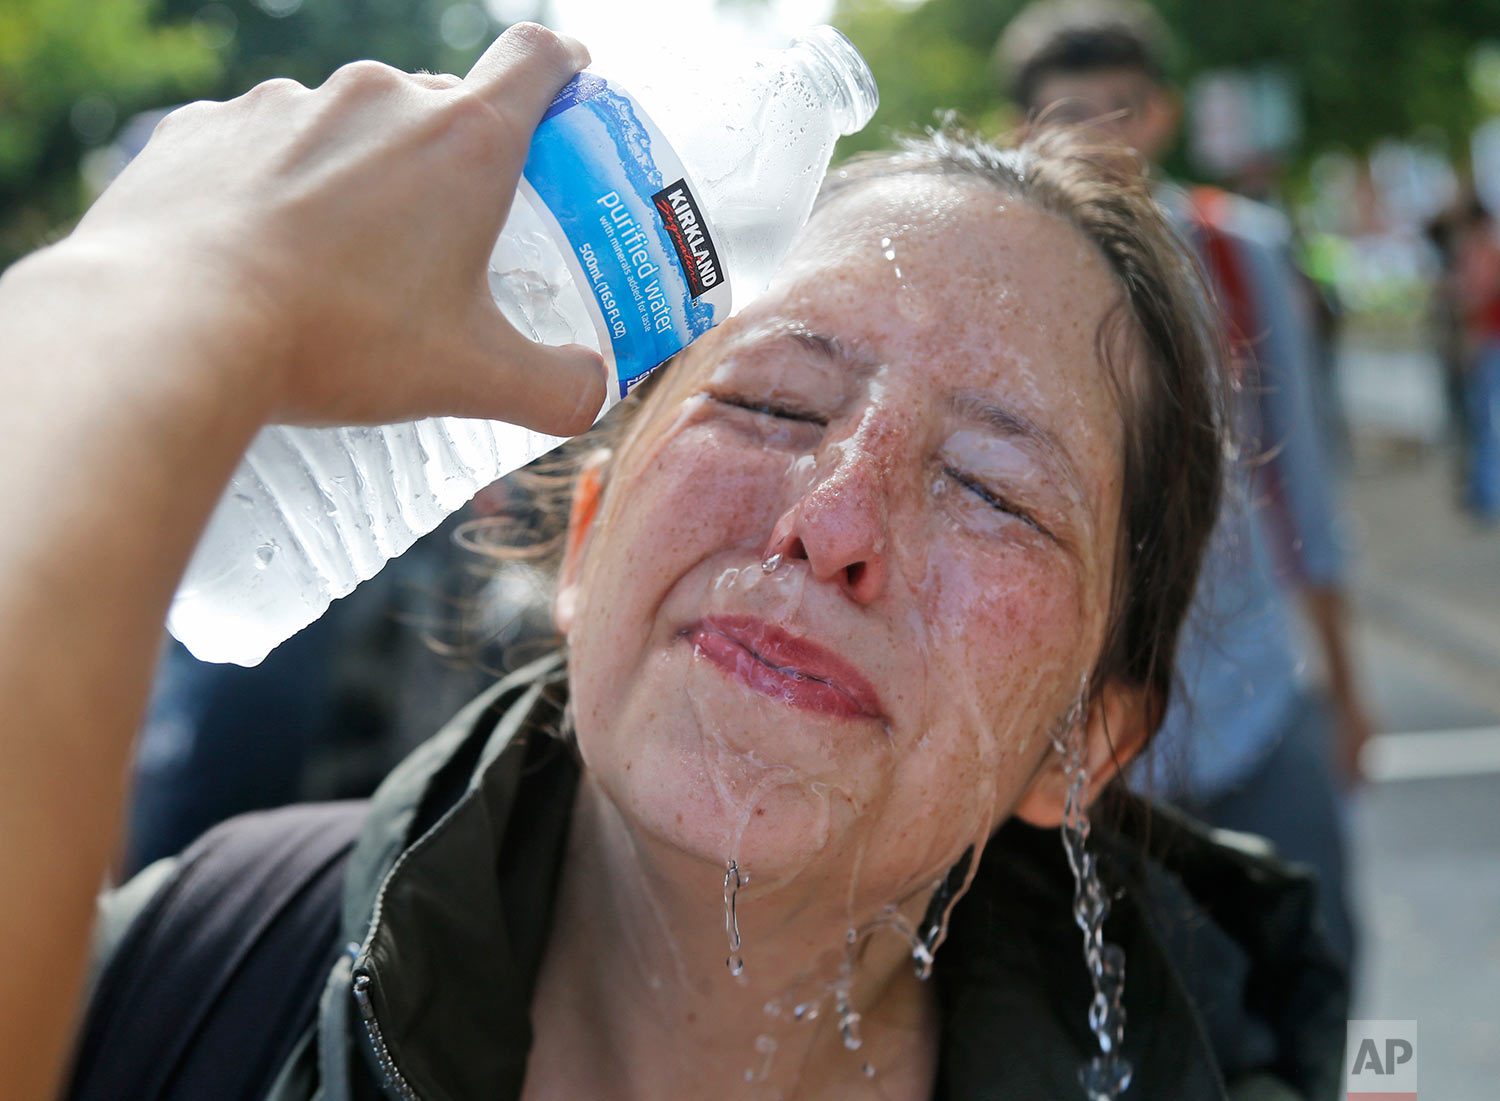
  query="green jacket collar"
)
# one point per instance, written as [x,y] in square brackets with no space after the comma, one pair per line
[449,896]
[450,888]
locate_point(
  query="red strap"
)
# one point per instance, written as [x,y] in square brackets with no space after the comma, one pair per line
[1236,299]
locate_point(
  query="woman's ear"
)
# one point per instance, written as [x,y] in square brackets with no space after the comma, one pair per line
[1118,726]
[587,490]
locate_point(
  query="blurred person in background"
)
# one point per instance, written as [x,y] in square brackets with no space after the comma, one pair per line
[1445,330]
[1246,744]
[1260,179]
[1475,291]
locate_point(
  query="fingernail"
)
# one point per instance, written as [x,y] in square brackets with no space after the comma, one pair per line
[587,406]
[576,49]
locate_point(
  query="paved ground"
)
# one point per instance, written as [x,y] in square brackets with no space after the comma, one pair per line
[1427,851]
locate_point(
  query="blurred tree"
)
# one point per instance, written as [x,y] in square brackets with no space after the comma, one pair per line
[73,71]
[1366,69]
[927,57]
[307,39]
[69,69]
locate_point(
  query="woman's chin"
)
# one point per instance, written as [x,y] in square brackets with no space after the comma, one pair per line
[730,774]
[773,823]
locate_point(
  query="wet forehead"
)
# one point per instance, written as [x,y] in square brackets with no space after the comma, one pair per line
[977,289]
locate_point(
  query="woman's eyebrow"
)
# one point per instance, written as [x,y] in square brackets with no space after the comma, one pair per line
[822,345]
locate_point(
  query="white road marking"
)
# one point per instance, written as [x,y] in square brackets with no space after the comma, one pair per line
[1432,754]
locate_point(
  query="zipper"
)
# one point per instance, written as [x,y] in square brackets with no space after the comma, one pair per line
[393,1078]
[395,1081]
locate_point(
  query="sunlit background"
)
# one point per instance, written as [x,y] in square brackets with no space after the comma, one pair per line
[1364,120]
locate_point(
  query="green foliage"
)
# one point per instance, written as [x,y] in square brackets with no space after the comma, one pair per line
[315,37]
[927,59]
[64,62]
[71,71]
[1366,69]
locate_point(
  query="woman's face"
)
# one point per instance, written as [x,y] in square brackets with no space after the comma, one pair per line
[847,578]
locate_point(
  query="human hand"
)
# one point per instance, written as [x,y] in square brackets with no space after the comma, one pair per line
[335,241]
[1352,730]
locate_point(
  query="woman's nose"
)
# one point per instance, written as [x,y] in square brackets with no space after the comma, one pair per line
[838,527]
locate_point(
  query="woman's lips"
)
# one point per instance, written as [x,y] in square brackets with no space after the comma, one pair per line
[771,661]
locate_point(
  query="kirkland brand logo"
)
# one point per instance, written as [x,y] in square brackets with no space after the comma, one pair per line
[1380,1061]
[700,260]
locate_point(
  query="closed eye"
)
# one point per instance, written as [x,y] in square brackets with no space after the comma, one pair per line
[995,500]
[772,409]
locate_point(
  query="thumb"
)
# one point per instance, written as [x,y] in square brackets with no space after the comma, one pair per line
[556,390]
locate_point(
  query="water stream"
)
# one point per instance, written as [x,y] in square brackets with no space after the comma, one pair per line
[732,885]
[1108,1074]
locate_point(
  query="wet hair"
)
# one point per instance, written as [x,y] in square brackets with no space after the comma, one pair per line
[1159,345]
[1080,36]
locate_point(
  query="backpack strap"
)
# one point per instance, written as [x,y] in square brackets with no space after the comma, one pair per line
[1232,282]
[218,978]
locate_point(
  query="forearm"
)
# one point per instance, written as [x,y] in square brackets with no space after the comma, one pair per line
[114,445]
[304,256]
[1352,727]
[1325,608]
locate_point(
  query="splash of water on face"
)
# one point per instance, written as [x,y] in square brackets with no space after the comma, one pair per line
[1108,1074]
[773,589]
[936,636]
[911,303]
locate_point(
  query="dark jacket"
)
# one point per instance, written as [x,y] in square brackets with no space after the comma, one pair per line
[1228,991]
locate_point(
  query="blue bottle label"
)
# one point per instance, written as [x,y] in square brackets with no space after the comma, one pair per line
[637,240]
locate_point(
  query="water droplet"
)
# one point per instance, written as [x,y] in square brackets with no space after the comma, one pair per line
[265,553]
[848,1017]
[922,957]
[732,883]
[849,1029]
[869,1069]
[770,564]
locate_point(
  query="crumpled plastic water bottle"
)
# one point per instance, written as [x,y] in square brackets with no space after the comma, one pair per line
[643,216]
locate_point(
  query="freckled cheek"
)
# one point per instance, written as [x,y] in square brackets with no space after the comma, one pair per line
[1004,655]
[1006,630]
[702,492]
[717,478]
